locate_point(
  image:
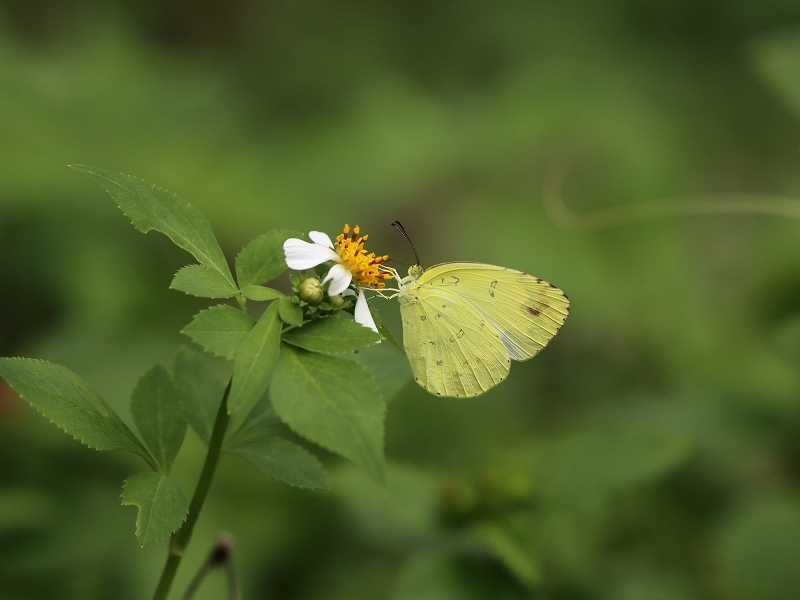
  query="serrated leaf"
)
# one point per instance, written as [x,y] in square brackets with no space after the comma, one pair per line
[157,412]
[199,390]
[202,281]
[331,336]
[220,329]
[65,399]
[260,294]
[262,260]
[162,505]
[151,207]
[254,362]
[284,461]
[290,312]
[333,402]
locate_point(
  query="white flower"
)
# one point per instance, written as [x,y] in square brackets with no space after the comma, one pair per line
[351,263]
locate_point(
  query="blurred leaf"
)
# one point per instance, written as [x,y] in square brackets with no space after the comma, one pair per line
[261,417]
[760,551]
[157,412]
[389,367]
[404,513]
[509,550]
[150,207]
[584,463]
[260,294]
[431,576]
[262,260]
[202,281]
[290,312]
[331,336]
[220,329]
[786,340]
[284,461]
[333,402]
[254,362]
[67,401]
[162,505]
[199,389]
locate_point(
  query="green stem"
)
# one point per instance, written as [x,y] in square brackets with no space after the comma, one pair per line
[180,539]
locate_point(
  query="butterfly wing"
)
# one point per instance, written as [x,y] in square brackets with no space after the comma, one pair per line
[452,349]
[464,322]
[524,311]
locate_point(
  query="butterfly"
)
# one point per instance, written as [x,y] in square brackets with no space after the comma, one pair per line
[464,322]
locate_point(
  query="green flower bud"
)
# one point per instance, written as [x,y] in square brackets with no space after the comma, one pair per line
[336,302]
[310,290]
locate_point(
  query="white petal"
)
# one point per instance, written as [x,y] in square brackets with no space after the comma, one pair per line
[318,237]
[339,277]
[302,255]
[348,292]
[362,314]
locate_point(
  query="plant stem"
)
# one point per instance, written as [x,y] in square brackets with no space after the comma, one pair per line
[180,539]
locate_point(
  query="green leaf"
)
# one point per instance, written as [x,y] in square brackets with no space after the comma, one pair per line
[199,389]
[262,260]
[150,207]
[290,312]
[254,362]
[333,402]
[285,461]
[511,552]
[331,336]
[202,281]
[157,412]
[220,329]
[260,294]
[387,365]
[162,505]
[65,399]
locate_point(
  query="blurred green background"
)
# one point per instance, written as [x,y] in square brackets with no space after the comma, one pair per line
[651,452]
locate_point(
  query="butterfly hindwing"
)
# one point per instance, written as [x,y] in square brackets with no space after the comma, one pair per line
[452,349]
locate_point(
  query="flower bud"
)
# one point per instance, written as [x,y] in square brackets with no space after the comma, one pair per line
[336,301]
[310,290]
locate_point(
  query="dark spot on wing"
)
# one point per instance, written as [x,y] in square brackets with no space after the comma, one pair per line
[423,318]
[460,333]
[438,316]
[534,311]
[439,363]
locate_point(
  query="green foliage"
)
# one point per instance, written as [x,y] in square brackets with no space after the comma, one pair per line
[333,402]
[262,260]
[331,336]
[290,312]
[255,359]
[259,293]
[220,329]
[162,505]
[67,401]
[203,281]
[199,390]
[157,412]
[284,461]
[150,207]
[388,365]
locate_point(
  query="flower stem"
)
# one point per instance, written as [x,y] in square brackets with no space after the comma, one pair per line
[180,539]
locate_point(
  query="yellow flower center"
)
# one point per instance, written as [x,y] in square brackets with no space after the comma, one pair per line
[363,266]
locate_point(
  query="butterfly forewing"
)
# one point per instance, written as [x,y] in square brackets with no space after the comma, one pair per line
[525,311]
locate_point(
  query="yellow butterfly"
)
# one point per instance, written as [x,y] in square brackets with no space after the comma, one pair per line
[464,322]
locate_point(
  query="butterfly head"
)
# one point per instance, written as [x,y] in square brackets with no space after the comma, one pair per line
[414,271]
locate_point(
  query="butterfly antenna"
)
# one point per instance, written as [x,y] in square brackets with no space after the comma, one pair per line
[399,226]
